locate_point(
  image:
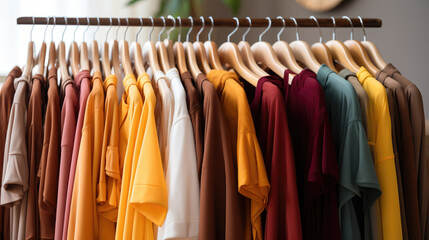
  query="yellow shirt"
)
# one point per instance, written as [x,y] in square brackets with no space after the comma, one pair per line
[252,177]
[109,172]
[130,110]
[383,156]
[83,222]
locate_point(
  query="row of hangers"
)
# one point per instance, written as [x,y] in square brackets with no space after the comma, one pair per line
[201,57]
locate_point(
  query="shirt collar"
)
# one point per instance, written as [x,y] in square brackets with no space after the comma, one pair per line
[142,80]
[128,81]
[390,70]
[97,75]
[323,74]
[110,80]
[363,74]
[219,79]
[345,73]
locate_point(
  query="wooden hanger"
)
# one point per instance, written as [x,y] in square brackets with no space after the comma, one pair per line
[200,51]
[169,43]
[247,55]
[42,53]
[52,58]
[149,52]
[321,51]
[115,58]
[162,51]
[372,50]
[125,53]
[93,48]
[136,52]
[84,57]
[264,53]
[74,53]
[105,59]
[229,54]
[30,55]
[190,54]
[303,53]
[212,50]
[340,52]
[62,57]
[179,51]
[284,52]
[358,52]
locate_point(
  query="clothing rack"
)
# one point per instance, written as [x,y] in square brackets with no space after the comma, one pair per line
[217,22]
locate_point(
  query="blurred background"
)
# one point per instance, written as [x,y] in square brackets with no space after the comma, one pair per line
[402,40]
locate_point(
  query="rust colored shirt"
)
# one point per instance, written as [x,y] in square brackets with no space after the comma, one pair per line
[6,98]
[34,152]
[221,206]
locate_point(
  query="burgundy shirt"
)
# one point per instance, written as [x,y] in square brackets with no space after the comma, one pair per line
[269,115]
[315,157]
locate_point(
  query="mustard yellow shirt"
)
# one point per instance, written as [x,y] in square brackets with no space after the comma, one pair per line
[252,177]
[83,222]
[109,173]
[130,110]
[383,156]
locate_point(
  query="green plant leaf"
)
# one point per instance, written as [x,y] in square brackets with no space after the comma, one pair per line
[234,5]
[132,2]
[162,7]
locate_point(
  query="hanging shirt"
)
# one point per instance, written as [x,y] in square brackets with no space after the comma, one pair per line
[82,81]
[252,176]
[269,114]
[109,180]
[181,174]
[315,157]
[34,150]
[195,112]
[403,134]
[69,112]
[50,160]
[130,110]
[6,98]
[15,166]
[417,118]
[221,213]
[83,220]
[358,178]
[384,158]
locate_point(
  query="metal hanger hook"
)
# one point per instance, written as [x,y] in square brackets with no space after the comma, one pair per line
[283,27]
[151,30]
[209,36]
[171,29]
[202,28]
[266,30]
[363,28]
[84,33]
[47,25]
[77,26]
[141,27]
[318,26]
[180,28]
[52,30]
[126,29]
[296,27]
[248,29]
[31,31]
[335,25]
[235,29]
[163,28]
[96,30]
[108,30]
[117,30]
[190,29]
[351,26]
[65,21]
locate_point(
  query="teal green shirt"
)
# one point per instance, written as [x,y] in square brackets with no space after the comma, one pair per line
[358,188]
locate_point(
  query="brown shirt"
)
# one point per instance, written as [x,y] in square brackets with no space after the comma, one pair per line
[34,151]
[221,215]
[417,119]
[194,108]
[6,99]
[50,160]
[404,140]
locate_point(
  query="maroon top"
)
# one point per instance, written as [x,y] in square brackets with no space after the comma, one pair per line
[315,158]
[6,98]
[269,114]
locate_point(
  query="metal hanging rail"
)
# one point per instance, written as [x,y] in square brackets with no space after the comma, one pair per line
[218,22]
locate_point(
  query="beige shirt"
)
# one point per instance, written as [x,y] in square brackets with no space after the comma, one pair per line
[15,172]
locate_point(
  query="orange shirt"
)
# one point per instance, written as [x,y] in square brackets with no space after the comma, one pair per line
[252,176]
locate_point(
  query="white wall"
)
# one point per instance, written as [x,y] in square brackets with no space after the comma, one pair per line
[402,40]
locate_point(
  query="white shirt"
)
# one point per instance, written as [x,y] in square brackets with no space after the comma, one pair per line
[182,220]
